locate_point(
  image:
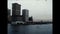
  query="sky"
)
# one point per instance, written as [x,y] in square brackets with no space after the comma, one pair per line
[38,9]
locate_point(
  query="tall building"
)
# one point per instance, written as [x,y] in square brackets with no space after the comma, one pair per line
[19,18]
[25,14]
[16,10]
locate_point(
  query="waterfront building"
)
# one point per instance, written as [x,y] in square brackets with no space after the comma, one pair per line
[30,18]
[25,14]
[16,10]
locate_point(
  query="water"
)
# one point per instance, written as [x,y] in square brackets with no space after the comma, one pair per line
[30,29]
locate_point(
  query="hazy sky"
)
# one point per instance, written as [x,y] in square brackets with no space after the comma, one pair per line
[39,9]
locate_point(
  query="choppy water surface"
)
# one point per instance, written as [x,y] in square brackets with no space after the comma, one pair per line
[30,29]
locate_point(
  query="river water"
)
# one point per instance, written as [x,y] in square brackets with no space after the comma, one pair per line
[30,29]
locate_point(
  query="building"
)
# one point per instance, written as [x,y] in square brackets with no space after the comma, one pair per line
[30,18]
[16,10]
[17,18]
[25,14]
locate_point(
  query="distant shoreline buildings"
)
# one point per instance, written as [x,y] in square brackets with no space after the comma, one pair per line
[16,11]
[16,15]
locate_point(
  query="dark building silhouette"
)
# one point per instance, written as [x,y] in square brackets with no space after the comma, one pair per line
[25,14]
[16,10]
[30,18]
[19,18]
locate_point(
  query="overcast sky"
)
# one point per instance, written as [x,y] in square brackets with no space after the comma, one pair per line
[39,9]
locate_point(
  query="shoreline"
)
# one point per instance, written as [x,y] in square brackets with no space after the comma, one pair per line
[30,24]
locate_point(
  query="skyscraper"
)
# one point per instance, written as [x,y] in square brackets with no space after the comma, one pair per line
[25,14]
[16,10]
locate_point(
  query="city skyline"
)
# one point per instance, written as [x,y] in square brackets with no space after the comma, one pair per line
[40,12]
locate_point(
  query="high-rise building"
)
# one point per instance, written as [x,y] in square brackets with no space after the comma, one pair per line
[16,10]
[25,14]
